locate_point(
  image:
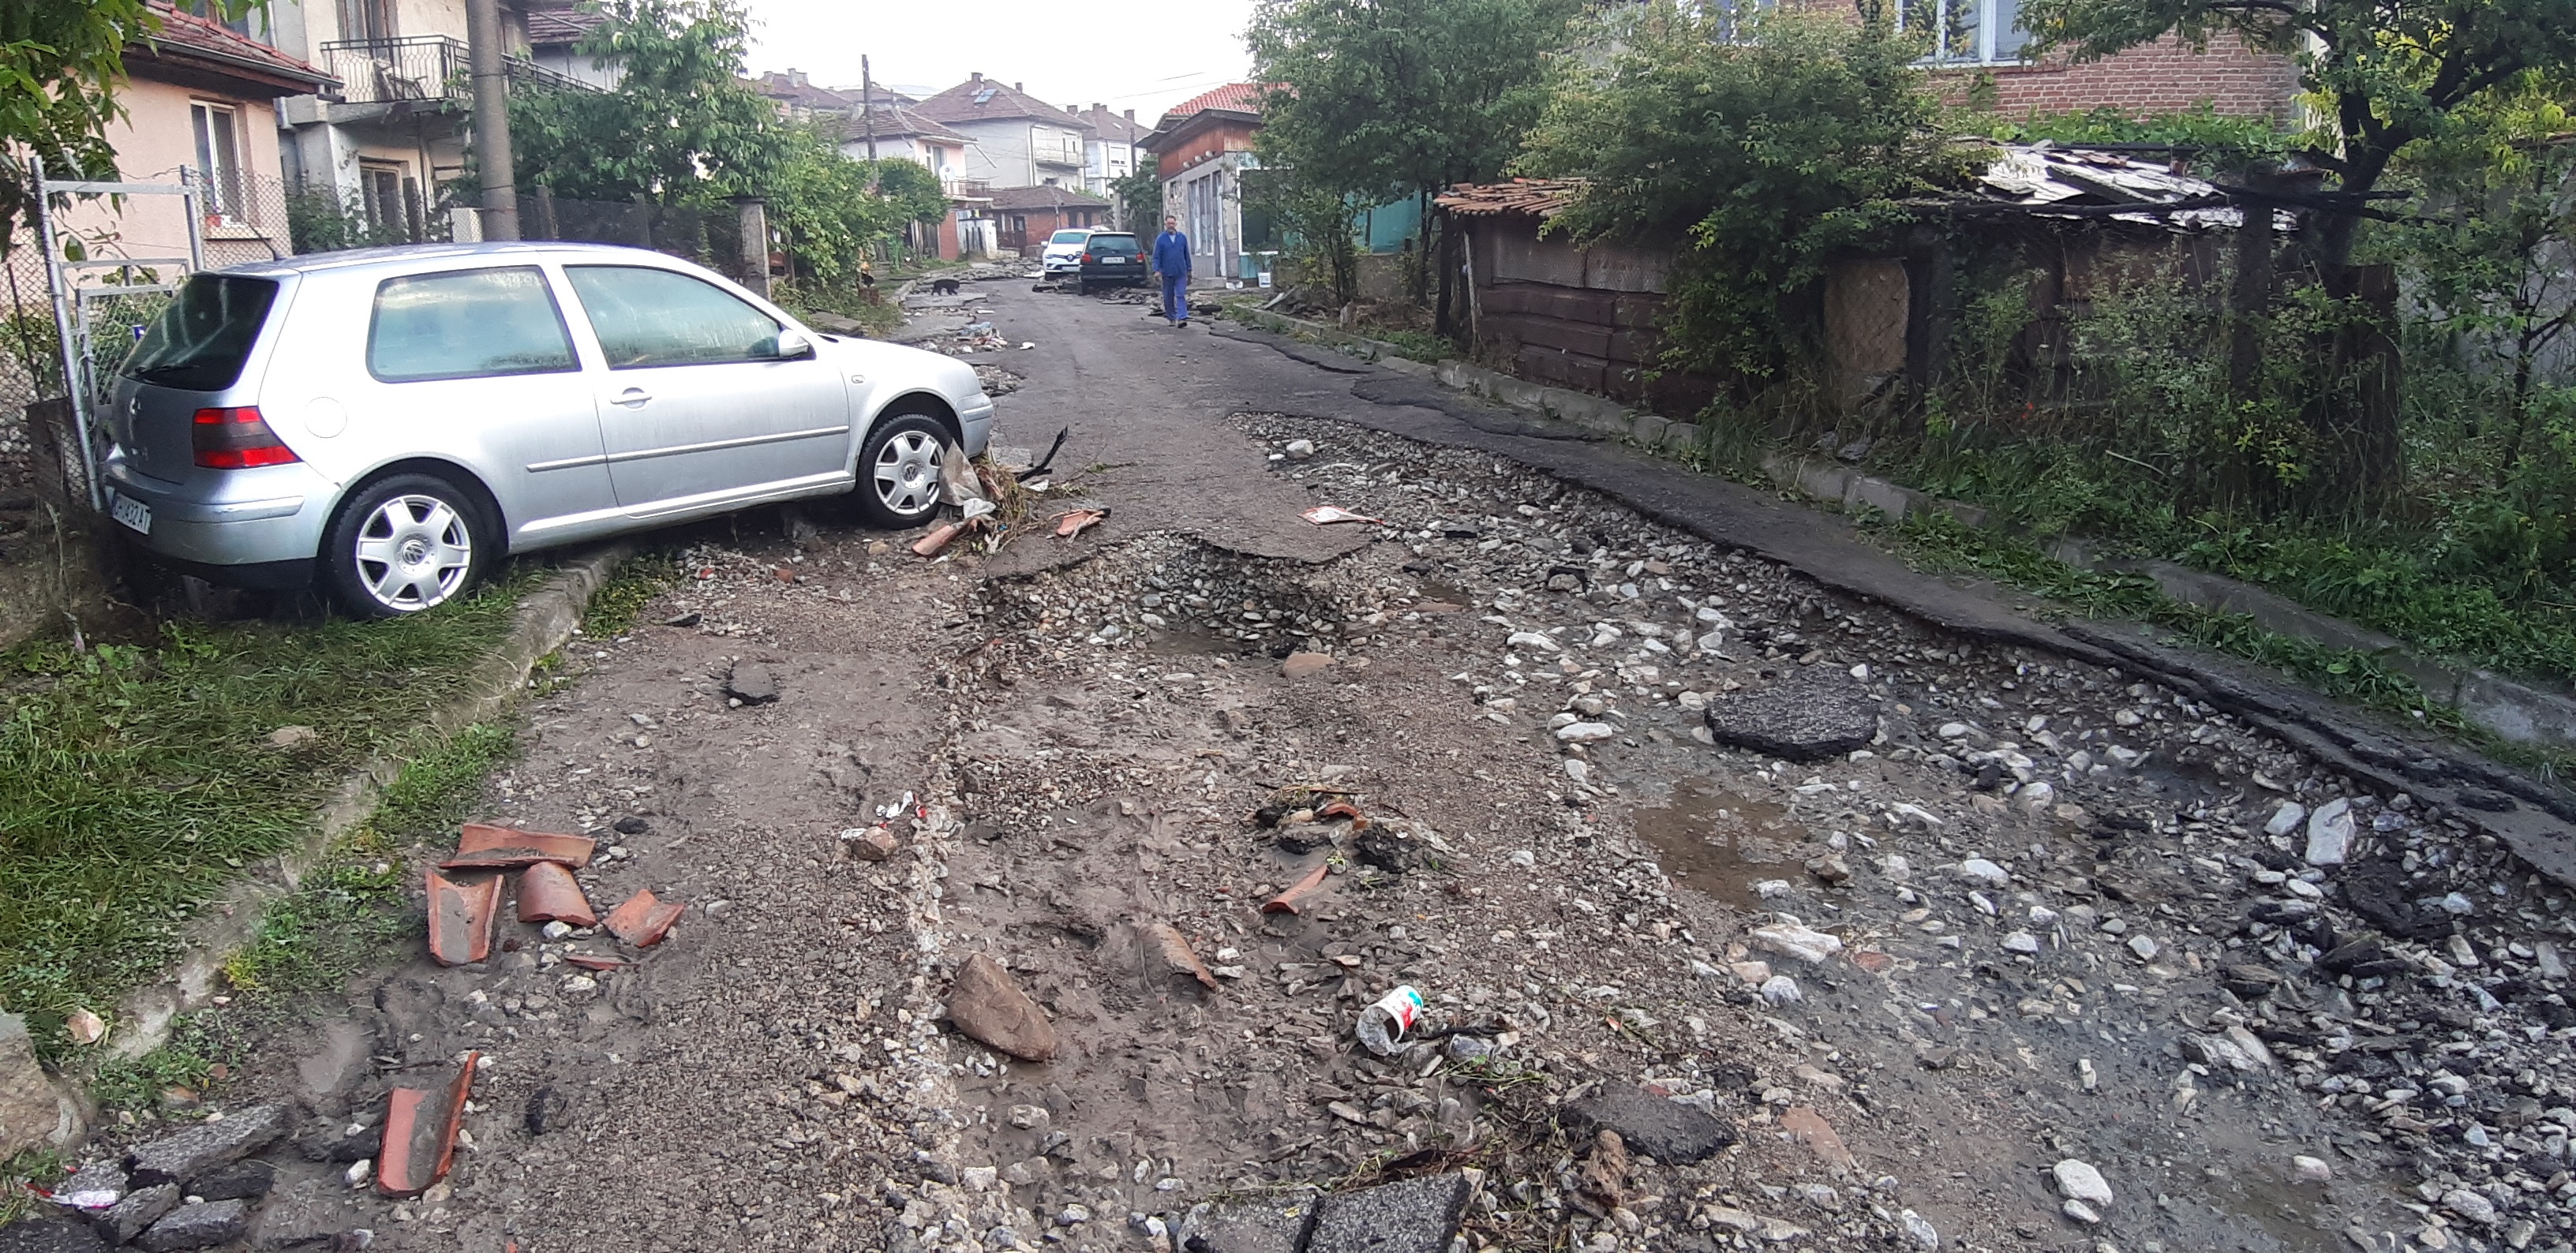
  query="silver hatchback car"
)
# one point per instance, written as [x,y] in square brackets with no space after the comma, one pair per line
[389,422]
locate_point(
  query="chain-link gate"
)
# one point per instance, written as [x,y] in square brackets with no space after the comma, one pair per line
[102,304]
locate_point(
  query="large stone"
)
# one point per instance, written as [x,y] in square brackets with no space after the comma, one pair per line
[140,1209]
[203,1226]
[180,1158]
[33,1112]
[988,1006]
[751,683]
[1668,1131]
[1273,1225]
[51,1235]
[1415,1216]
[1814,713]
[2330,831]
[2078,1181]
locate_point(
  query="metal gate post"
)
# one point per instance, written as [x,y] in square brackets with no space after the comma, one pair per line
[58,282]
[194,209]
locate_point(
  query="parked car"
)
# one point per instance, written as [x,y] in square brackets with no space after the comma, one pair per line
[1112,260]
[389,422]
[1063,252]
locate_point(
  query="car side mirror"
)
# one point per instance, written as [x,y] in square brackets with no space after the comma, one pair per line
[794,346]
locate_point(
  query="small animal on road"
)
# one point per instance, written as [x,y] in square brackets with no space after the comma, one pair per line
[943,287]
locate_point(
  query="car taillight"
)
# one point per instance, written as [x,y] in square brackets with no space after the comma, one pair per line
[236,439]
[1086,258]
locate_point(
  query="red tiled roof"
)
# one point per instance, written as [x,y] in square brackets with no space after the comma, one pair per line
[1239,97]
[1538,197]
[984,99]
[184,36]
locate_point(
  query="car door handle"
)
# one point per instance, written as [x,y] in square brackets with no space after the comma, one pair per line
[633,397]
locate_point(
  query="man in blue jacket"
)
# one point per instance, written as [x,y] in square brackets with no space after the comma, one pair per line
[1172,265]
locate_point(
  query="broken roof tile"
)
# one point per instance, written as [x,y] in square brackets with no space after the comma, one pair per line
[1287,902]
[461,917]
[644,919]
[547,893]
[420,1133]
[480,846]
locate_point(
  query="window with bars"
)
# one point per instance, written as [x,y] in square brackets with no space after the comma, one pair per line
[1967,32]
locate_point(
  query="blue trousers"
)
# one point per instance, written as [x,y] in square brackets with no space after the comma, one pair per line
[1176,297]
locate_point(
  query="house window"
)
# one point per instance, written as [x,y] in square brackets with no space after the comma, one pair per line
[367,19]
[1967,32]
[381,187]
[219,159]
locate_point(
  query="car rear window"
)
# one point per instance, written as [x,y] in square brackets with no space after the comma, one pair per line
[467,324]
[1069,237]
[202,340]
[1113,243]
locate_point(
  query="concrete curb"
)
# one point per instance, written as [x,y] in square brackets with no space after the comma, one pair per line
[542,623]
[2517,713]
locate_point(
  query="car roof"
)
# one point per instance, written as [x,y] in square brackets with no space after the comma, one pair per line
[409,256]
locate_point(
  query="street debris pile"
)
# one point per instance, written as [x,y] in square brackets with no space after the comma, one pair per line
[206,1187]
[2226,991]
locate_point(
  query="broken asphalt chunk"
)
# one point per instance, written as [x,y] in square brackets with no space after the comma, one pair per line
[1290,901]
[645,918]
[1415,1216]
[211,1224]
[420,1133]
[480,846]
[199,1149]
[751,683]
[51,1235]
[1666,1130]
[547,893]
[461,917]
[120,1223]
[988,1006]
[1816,712]
[1264,1225]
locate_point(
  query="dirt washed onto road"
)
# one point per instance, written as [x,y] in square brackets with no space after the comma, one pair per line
[1744,917]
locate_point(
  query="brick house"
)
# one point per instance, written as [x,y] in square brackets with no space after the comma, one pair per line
[1202,147]
[1028,215]
[1979,55]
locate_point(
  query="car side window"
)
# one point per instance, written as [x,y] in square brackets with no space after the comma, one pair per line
[647,317]
[467,324]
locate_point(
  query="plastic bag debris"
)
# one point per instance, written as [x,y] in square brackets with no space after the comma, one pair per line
[1326,515]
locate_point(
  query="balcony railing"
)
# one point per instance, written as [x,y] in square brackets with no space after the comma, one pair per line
[959,187]
[423,69]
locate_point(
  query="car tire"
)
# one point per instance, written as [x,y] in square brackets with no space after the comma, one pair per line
[899,485]
[1082,288]
[407,544]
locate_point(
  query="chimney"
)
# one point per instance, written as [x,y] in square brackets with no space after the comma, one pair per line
[1022,88]
[797,77]
[1131,117]
[978,76]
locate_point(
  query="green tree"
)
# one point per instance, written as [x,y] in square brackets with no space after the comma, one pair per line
[680,127]
[2494,261]
[1375,100]
[914,190]
[61,62]
[2388,73]
[1765,150]
[1140,199]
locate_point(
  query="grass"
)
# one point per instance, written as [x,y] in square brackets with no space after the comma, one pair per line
[350,914]
[1939,542]
[137,781]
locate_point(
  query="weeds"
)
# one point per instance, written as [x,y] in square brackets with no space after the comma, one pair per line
[612,609]
[28,1168]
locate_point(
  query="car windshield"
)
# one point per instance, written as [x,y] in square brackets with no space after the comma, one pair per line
[202,339]
[1113,243]
[1069,237]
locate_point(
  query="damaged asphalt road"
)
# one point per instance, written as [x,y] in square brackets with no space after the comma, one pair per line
[1745,912]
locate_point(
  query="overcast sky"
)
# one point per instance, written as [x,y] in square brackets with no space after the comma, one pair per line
[1159,56]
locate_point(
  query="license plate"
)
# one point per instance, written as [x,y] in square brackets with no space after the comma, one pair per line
[133,514]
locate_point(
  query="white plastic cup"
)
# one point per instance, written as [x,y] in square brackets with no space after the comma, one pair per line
[1383,1025]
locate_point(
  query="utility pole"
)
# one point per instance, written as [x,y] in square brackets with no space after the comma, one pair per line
[491,119]
[868,105]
